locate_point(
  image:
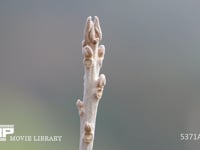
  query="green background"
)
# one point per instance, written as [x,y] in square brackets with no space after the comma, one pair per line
[152,65]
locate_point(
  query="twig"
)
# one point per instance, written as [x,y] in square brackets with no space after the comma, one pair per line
[93,82]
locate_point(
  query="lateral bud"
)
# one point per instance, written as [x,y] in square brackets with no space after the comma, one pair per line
[98,32]
[101,51]
[80,106]
[88,136]
[101,82]
[88,27]
[92,36]
[88,59]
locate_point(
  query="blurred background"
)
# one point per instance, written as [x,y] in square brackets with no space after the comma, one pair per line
[152,65]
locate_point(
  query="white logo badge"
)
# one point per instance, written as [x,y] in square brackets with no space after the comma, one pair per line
[5,130]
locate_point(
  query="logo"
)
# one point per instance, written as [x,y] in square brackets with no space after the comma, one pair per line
[6,130]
